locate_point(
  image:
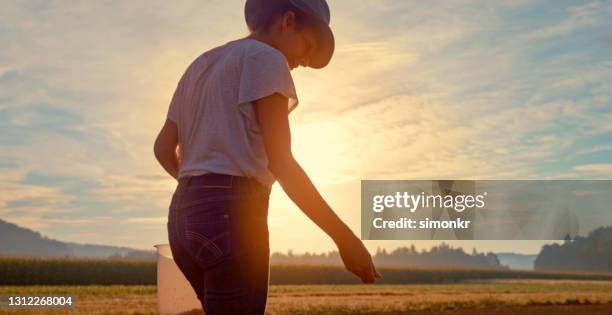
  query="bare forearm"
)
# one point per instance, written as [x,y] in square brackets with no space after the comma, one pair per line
[170,161]
[303,193]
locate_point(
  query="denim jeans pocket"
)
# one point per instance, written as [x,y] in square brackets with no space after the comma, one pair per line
[208,235]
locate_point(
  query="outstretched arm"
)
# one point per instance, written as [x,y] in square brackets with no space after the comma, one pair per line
[272,114]
[166,148]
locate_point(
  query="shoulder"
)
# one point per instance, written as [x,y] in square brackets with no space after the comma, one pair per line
[260,51]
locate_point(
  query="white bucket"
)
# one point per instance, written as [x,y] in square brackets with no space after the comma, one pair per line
[174,293]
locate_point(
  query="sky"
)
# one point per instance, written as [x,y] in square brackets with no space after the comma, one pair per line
[470,89]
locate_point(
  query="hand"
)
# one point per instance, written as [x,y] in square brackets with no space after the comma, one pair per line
[179,154]
[357,259]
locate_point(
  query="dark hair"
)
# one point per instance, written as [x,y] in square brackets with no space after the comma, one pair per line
[260,15]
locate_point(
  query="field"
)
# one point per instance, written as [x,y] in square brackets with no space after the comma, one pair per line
[477,297]
[128,287]
[49,271]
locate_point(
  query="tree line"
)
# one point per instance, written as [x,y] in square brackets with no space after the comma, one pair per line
[591,253]
[442,255]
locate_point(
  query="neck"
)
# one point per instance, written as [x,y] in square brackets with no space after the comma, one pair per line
[262,37]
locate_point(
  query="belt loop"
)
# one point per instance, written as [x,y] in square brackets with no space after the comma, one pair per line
[188,180]
[180,189]
[232,181]
[186,183]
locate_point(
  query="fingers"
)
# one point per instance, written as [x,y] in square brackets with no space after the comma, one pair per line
[373,273]
[376,273]
[370,273]
[366,277]
[361,265]
[362,274]
[369,278]
[367,274]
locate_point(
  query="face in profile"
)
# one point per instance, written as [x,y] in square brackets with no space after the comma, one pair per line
[296,42]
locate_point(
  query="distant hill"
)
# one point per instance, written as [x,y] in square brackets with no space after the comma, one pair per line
[19,241]
[516,261]
[592,253]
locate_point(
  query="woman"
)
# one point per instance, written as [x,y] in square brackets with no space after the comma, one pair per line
[227,140]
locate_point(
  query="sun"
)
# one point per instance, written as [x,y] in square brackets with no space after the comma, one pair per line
[322,149]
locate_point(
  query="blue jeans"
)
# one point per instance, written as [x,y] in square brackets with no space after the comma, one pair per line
[218,234]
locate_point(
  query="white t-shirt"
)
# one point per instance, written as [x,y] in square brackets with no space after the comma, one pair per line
[212,107]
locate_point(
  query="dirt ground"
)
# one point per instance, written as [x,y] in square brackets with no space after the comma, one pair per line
[603,309]
[500,297]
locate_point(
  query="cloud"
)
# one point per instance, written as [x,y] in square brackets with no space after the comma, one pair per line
[29,199]
[578,18]
[595,149]
[149,220]
[605,168]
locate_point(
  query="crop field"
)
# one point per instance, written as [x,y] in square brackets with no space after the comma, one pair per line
[475,297]
[48,271]
[128,287]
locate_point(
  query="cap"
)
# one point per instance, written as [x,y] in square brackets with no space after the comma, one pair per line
[318,11]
